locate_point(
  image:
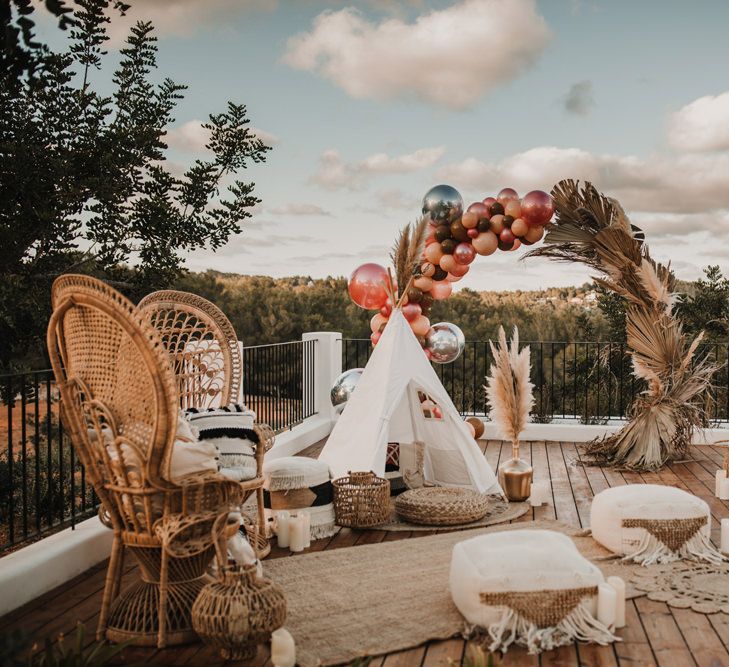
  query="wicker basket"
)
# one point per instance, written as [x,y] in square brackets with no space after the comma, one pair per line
[361,499]
[441,506]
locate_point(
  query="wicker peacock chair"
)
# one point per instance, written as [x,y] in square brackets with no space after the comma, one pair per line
[120,406]
[207,362]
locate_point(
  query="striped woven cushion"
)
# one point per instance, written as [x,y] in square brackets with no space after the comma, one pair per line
[231,421]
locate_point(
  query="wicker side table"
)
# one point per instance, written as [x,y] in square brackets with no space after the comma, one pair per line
[441,506]
[361,500]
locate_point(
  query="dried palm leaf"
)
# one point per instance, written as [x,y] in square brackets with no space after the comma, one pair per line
[407,252]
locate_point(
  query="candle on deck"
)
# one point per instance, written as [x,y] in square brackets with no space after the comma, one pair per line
[539,494]
[619,585]
[283,521]
[283,648]
[724,489]
[725,536]
[720,477]
[606,605]
[296,533]
[307,529]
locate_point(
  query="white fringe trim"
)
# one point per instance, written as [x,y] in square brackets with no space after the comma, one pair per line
[651,550]
[578,625]
[323,530]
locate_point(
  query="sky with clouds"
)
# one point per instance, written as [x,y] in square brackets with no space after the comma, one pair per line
[368,104]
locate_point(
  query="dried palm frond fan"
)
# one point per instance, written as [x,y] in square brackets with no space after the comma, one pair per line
[594,230]
[510,399]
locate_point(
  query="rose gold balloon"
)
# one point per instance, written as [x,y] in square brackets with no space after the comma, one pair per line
[423,283]
[452,278]
[448,263]
[497,223]
[473,233]
[506,236]
[460,270]
[377,321]
[386,309]
[486,243]
[375,338]
[412,311]
[537,208]
[464,253]
[420,325]
[427,269]
[469,220]
[441,290]
[517,244]
[480,209]
[519,227]
[433,253]
[367,286]
[534,234]
[487,203]
[513,208]
[506,195]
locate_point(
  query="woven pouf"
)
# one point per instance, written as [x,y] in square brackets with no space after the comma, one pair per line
[299,483]
[441,506]
[650,523]
[530,587]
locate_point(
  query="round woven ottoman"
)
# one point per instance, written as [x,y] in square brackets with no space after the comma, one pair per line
[530,587]
[650,523]
[299,483]
[441,506]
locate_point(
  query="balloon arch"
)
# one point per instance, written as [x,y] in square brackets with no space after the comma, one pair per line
[438,252]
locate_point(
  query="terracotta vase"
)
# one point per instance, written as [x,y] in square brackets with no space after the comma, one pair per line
[238,612]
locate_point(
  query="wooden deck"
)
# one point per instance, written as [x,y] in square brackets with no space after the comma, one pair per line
[655,635]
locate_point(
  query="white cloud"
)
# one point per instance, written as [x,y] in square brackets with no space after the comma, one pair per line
[579,99]
[192,137]
[449,57]
[299,209]
[695,184]
[702,125]
[334,173]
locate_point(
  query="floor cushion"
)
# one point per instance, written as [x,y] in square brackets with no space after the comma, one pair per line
[530,587]
[651,523]
[299,483]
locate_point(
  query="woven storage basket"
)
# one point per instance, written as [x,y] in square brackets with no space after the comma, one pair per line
[361,499]
[441,506]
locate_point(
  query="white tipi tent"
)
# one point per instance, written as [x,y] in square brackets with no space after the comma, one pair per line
[386,407]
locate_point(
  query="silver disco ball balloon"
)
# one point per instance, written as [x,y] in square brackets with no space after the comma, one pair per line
[443,203]
[343,387]
[445,342]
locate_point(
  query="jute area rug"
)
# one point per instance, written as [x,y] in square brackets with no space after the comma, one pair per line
[499,512]
[379,598]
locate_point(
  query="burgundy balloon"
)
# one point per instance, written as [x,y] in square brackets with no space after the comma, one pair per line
[367,286]
[473,233]
[480,209]
[464,253]
[537,208]
[506,235]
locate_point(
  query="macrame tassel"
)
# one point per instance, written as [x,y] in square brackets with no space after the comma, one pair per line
[651,550]
[578,625]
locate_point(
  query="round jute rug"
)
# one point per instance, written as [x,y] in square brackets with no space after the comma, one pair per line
[499,511]
[703,587]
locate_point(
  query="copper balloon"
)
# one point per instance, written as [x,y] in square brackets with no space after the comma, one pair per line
[448,263]
[411,311]
[481,209]
[497,223]
[534,234]
[386,308]
[469,219]
[460,270]
[443,203]
[427,269]
[367,286]
[486,243]
[420,325]
[519,227]
[423,283]
[513,208]
[464,253]
[433,253]
[478,426]
[537,208]
[441,290]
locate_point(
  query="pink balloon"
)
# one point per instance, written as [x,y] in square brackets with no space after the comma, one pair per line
[437,413]
[537,208]
[367,286]
[480,209]
[386,308]
[452,278]
[441,290]
[420,325]
[377,321]
[460,270]
[375,338]
[506,195]
[431,241]
[464,253]
[411,311]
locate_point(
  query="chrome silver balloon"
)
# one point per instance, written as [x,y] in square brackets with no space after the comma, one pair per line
[443,203]
[445,341]
[343,387]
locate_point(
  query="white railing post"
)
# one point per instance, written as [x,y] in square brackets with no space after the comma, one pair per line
[327,366]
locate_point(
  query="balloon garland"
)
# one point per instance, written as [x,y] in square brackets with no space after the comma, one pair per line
[453,239]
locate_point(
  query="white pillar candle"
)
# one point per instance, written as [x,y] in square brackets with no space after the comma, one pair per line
[539,494]
[619,585]
[283,648]
[283,521]
[725,536]
[606,605]
[307,529]
[296,533]
[720,477]
[724,489]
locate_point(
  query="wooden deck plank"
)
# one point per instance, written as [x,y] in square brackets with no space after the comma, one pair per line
[668,644]
[564,501]
[440,654]
[701,638]
[634,649]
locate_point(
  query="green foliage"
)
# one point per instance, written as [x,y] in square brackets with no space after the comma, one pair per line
[83,180]
[706,306]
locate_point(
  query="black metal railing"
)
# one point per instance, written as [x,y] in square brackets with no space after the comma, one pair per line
[587,381]
[43,486]
[278,382]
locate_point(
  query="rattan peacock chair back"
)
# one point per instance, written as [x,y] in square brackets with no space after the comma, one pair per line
[120,405]
[202,344]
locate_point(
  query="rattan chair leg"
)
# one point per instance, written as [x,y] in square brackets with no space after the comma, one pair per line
[261,513]
[163,584]
[110,586]
[119,571]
